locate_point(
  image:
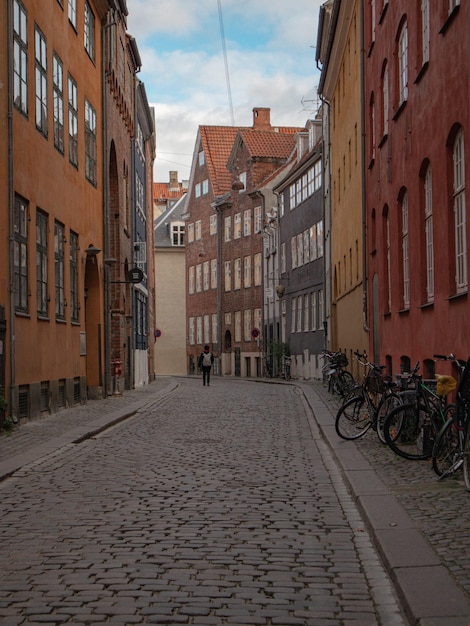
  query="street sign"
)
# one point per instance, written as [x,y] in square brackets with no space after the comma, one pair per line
[255,333]
[135,275]
[158,333]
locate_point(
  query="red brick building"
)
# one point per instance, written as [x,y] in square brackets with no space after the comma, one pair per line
[227,201]
[418,156]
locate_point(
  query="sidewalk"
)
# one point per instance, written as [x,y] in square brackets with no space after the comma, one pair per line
[420,526]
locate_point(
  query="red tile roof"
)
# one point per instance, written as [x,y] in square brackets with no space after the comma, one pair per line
[162,191]
[217,142]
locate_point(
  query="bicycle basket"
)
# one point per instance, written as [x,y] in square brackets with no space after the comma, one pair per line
[341,360]
[375,383]
[445,384]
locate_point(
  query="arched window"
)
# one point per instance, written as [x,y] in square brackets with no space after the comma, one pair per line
[385,99]
[405,259]
[428,233]
[460,214]
[403,64]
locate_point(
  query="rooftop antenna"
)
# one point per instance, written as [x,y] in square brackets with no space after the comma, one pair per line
[224,49]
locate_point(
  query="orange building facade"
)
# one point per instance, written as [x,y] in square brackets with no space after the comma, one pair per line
[53,335]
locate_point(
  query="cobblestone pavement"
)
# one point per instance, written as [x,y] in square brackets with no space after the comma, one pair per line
[439,508]
[217,505]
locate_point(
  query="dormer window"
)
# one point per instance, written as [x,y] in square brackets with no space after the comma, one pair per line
[177,234]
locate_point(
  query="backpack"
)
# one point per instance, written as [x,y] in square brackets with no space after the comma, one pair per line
[206,359]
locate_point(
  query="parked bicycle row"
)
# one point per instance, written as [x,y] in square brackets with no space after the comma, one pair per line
[412,415]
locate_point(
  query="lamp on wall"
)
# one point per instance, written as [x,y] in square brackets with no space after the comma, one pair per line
[92,251]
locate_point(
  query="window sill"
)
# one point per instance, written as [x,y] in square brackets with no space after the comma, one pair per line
[400,110]
[422,72]
[458,296]
[404,311]
[44,318]
[449,20]
[383,140]
[427,305]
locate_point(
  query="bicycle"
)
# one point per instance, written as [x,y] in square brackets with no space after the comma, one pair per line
[448,451]
[339,380]
[411,429]
[286,361]
[374,399]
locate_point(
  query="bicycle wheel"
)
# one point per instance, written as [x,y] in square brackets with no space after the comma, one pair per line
[345,382]
[466,455]
[353,419]
[386,405]
[409,431]
[446,452]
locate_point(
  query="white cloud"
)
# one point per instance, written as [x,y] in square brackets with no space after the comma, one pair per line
[271,64]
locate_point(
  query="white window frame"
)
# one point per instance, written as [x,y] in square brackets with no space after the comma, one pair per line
[198,230]
[191,281]
[403,64]
[213,273]
[213,225]
[247,324]
[425,29]
[228,276]
[429,235]
[228,228]
[247,272]
[191,331]
[238,326]
[190,233]
[247,223]
[205,275]
[198,278]
[460,215]
[237,274]
[258,269]
[237,226]
[405,251]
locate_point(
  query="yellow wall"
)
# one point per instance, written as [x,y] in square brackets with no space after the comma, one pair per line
[346,186]
[170,314]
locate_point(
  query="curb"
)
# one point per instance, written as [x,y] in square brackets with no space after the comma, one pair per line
[429,594]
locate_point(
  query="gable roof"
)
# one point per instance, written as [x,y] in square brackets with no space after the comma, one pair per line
[217,142]
[162,233]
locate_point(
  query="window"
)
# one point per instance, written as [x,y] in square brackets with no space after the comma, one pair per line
[292,197]
[20,57]
[247,324]
[214,274]
[293,315]
[258,222]
[306,312]
[59,270]
[425,30]
[191,282]
[206,329]
[41,264]
[214,328]
[20,245]
[247,222]
[190,233]
[238,326]
[90,143]
[460,214]
[228,228]
[283,258]
[320,239]
[205,187]
[73,121]
[198,232]
[385,99]
[453,4]
[205,275]
[372,19]
[405,251]
[300,250]
[198,278]
[228,275]
[237,226]
[199,329]
[197,190]
[313,310]
[299,313]
[191,331]
[403,64]
[428,231]
[258,269]
[213,225]
[320,309]
[247,272]
[58,92]
[202,157]
[73,13]
[177,234]
[306,246]
[40,70]
[293,249]
[89,32]
[313,242]
[74,311]
[237,274]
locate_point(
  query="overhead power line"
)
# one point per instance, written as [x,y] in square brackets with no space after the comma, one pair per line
[227,73]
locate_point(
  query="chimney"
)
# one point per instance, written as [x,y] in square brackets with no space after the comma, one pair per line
[262,118]
[174,186]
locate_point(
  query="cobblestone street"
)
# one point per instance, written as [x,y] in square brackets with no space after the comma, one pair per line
[209,506]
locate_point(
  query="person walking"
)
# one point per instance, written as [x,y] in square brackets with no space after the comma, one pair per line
[205,361]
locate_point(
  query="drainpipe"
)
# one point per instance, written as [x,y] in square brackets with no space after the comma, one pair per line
[11,215]
[363,174]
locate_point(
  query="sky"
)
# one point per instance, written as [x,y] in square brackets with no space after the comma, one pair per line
[269,61]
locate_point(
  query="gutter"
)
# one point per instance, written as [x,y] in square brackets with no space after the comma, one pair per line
[365,320]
